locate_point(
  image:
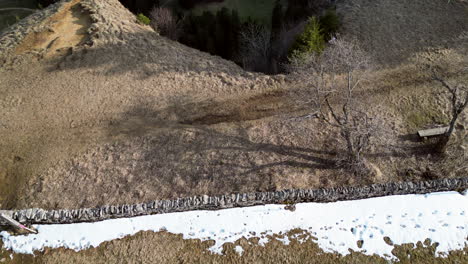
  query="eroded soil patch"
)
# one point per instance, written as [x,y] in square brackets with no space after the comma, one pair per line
[66,29]
[255,107]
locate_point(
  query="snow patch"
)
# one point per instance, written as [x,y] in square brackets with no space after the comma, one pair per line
[239,250]
[335,227]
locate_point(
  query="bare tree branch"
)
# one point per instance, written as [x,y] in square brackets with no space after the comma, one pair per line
[458,102]
[164,22]
[331,80]
[255,51]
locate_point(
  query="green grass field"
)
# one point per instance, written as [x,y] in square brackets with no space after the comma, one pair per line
[259,10]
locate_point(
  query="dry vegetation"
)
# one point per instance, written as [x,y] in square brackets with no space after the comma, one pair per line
[170,248]
[136,117]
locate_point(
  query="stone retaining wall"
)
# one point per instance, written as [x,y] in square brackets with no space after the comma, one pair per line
[40,216]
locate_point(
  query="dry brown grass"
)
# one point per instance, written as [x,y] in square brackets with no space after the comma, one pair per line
[196,123]
[393,31]
[137,117]
[58,108]
[162,247]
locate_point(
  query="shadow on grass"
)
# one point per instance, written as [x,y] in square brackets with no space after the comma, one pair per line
[212,159]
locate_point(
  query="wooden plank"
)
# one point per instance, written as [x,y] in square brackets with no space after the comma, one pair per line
[433,131]
[16,224]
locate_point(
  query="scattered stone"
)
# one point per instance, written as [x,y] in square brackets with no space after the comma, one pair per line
[428,242]
[290,207]
[388,241]
[360,243]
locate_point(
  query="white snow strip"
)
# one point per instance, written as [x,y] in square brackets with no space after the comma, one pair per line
[441,217]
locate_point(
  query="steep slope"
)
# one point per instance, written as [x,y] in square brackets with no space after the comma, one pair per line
[60,89]
[394,31]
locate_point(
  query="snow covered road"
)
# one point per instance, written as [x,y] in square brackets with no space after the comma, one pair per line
[441,217]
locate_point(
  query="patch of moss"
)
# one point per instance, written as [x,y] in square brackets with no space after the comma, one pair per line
[143,19]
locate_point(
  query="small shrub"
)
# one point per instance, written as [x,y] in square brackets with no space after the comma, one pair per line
[330,23]
[310,41]
[143,19]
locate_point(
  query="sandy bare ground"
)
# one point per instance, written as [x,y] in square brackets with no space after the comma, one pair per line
[67,29]
[121,115]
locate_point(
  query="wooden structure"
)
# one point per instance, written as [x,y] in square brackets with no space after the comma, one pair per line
[5,219]
[433,132]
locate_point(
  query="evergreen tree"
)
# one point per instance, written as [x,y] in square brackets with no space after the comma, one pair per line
[330,23]
[223,24]
[46,3]
[234,34]
[297,10]
[216,33]
[277,17]
[187,4]
[311,40]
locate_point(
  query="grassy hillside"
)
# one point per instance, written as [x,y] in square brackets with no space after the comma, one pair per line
[137,117]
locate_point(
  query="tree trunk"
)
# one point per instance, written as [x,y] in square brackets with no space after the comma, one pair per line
[441,145]
[353,156]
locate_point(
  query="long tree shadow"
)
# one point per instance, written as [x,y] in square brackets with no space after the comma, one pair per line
[215,140]
[152,157]
[246,145]
[409,145]
[218,159]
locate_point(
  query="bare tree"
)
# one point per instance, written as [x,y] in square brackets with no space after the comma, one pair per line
[458,94]
[163,21]
[255,47]
[330,81]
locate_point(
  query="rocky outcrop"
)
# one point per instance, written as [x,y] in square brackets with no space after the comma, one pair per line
[40,216]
